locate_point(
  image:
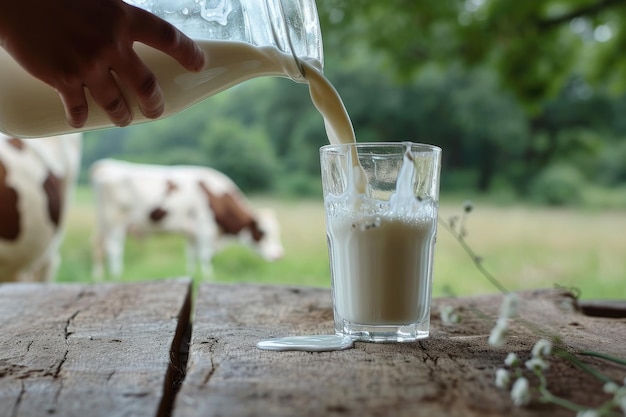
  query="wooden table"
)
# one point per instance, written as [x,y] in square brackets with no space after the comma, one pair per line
[132,350]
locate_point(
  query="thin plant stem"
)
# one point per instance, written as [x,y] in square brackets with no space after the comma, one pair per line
[604,356]
[479,313]
[581,365]
[548,397]
[560,351]
[475,258]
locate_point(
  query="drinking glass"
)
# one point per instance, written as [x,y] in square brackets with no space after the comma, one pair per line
[381,204]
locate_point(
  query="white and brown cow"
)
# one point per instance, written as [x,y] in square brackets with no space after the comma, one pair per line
[200,203]
[37,178]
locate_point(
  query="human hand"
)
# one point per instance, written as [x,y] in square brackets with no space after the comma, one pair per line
[73,45]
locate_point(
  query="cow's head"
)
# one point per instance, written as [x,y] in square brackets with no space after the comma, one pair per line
[260,230]
[264,235]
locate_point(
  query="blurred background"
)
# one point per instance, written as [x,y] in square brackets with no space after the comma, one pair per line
[526,98]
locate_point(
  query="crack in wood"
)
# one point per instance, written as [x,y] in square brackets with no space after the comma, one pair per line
[110,376]
[212,342]
[68,323]
[209,374]
[18,400]
[56,351]
[179,356]
[57,395]
[66,335]
[57,371]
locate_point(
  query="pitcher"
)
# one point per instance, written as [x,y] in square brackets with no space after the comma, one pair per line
[242,39]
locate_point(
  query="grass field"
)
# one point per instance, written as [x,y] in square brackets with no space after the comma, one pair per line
[524,247]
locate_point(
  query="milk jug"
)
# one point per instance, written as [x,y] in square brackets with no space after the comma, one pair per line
[242,39]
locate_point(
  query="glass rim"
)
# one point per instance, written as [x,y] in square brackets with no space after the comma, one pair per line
[364,145]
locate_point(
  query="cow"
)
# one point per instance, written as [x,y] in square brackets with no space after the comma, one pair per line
[37,180]
[200,203]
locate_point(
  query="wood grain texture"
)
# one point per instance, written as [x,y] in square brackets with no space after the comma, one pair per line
[81,350]
[449,374]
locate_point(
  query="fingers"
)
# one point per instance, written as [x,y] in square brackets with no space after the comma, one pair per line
[75,105]
[143,84]
[105,93]
[157,33]
[126,79]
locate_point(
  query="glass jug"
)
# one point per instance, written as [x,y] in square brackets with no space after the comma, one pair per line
[242,39]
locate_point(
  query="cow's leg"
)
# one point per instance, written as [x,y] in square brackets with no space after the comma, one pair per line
[97,257]
[48,269]
[114,248]
[199,252]
[45,269]
[191,256]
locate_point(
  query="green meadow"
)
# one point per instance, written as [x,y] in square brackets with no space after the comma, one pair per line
[522,246]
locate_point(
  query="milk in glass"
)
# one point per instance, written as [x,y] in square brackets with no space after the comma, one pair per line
[381,240]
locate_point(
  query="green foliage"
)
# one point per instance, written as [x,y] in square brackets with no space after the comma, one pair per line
[558,185]
[243,154]
[535,46]
[301,185]
[611,168]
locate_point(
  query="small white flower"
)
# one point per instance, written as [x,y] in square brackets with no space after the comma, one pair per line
[620,394]
[610,387]
[449,315]
[536,364]
[498,333]
[588,413]
[503,378]
[520,394]
[508,308]
[543,347]
[511,360]
[622,405]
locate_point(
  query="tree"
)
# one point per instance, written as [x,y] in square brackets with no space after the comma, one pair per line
[535,45]
[244,154]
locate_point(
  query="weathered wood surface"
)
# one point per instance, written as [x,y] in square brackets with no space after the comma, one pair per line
[116,350]
[449,374]
[90,350]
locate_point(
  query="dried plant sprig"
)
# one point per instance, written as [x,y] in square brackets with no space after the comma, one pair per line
[549,344]
[601,355]
[478,261]
[449,315]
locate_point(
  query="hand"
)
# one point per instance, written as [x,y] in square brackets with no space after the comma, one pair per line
[74,45]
